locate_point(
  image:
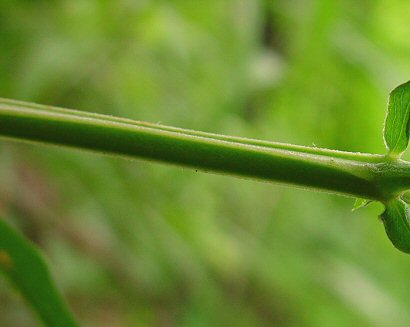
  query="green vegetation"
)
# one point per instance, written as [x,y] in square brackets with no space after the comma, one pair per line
[26,269]
[374,177]
[135,244]
[396,129]
[369,176]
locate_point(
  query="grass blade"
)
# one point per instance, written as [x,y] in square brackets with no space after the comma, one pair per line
[22,263]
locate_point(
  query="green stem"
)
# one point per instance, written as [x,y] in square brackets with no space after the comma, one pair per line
[355,174]
[365,157]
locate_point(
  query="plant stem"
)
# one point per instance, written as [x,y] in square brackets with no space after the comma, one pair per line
[365,157]
[355,174]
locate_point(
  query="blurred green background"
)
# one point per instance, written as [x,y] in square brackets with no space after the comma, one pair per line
[133,243]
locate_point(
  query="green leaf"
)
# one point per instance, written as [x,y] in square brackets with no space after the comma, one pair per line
[396,125]
[21,262]
[397,224]
[406,197]
[360,203]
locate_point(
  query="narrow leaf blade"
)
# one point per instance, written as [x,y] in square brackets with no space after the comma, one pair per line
[397,224]
[22,263]
[396,125]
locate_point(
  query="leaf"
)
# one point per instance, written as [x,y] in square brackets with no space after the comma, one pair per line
[22,263]
[360,203]
[397,224]
[406,197]
[396,125]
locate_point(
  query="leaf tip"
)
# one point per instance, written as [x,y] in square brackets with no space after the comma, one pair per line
[360,203]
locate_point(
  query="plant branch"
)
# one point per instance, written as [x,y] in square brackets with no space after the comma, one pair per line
[355,174]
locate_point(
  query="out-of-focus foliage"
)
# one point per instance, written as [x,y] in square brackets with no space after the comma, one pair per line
[25,267]
[140,244]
